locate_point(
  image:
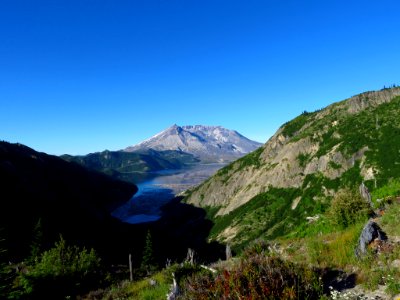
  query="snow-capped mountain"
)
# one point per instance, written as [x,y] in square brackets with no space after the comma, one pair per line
[208,143]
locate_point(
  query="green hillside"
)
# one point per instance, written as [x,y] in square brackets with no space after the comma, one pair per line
[345,144]
[133,166]
[291,213]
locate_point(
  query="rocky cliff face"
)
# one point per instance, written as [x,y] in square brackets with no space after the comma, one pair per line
[315,153]
[208,143]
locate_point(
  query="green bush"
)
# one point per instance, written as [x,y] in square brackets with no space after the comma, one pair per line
[258,247]
[347,208]
[61,271]
[303,159]
[184,270]
[292,127]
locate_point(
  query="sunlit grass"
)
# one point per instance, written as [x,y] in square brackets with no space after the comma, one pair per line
[334,250]
[143,289]
[390,221]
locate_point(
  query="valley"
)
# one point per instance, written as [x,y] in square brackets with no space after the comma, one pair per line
[199,150]
[297,205]
[161,188]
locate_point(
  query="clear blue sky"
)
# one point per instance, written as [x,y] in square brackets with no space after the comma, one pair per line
[84,76]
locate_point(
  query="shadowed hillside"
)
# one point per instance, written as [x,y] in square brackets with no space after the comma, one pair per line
[63,197]
[133,166]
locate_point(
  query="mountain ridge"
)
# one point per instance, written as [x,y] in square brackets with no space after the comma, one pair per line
[309,158]
[133,166]
[208,143]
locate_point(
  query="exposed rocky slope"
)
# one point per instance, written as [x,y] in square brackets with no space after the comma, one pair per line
[208,143]
[305,162]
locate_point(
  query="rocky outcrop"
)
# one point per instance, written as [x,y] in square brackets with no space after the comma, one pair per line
[287,159]
[364,192]
[370,233]
[280,167]
[368,99]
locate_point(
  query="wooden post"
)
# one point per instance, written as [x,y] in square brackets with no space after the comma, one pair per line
[228,252]
[190,256]
[130,267]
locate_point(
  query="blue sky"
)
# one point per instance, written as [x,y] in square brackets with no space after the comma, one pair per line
[84,76]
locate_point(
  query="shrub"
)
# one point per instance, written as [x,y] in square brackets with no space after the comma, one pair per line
[185,270]
[256,277]
[292,127]
[61,271]
[303,159]
[347,208]
[259,246]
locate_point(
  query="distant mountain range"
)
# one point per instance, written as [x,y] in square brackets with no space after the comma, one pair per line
[174,148]
[133,166]
[207,143]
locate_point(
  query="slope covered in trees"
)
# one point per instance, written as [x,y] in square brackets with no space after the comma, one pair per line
[62,197]
[133,166]
[57,237]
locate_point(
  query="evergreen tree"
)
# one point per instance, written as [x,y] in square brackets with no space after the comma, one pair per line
[147,257]
[2,269]
[37,242]
[5,276]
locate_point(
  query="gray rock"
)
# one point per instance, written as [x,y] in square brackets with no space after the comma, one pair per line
[152,282]
[370,232]
[365,194]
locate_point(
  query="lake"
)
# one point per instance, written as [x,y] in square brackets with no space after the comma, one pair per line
[145,205]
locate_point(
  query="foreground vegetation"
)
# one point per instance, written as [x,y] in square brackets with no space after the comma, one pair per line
[325,247]
[289,243]
[311,261]
[317,266]
[317,262]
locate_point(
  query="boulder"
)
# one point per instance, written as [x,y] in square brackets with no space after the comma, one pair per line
[370,233]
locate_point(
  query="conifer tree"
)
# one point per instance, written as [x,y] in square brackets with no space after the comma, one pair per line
[37,242]
[147,257]
[4,271]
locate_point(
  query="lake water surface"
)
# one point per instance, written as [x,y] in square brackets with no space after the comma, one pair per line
[145,205]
